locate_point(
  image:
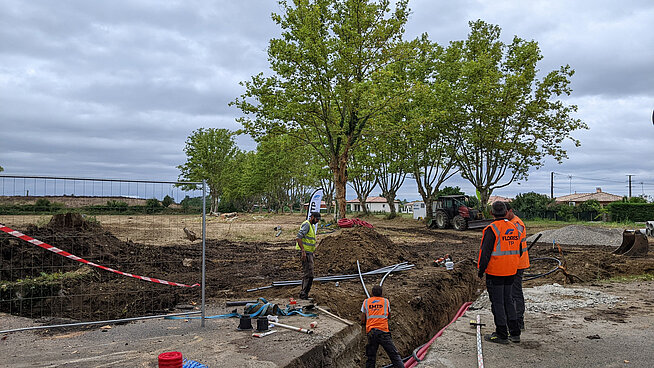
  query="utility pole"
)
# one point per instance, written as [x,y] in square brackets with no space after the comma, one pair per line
[629,185]
[552,185]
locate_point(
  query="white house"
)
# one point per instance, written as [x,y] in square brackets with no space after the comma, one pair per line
[373,204]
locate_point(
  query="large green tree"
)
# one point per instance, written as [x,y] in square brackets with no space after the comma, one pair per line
[508,118]
[362,175]
[325,68]
[208,153]
[281,168]
[429,110]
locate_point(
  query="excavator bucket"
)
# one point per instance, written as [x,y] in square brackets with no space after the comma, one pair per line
[634,244]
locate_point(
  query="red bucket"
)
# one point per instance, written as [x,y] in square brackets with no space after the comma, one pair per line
[172,359]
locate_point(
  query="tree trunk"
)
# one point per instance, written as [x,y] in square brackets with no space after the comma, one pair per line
[484,195]
[339,168]
[429,208]
[390,199]
[362,203]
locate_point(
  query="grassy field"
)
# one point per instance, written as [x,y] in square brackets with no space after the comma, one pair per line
[255,227]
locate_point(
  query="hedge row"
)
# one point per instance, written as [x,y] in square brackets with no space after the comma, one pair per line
[623,211]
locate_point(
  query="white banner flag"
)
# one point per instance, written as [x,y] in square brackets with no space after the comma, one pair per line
[314,205]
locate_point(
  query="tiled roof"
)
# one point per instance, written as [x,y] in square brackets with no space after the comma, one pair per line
[493,199]
[583,197]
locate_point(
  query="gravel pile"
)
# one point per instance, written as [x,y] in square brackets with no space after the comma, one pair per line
[580,235]
[555,298]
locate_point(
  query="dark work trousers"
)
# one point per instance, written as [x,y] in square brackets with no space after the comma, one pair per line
[377,337]
[499,293]
[519,298]
[307,275]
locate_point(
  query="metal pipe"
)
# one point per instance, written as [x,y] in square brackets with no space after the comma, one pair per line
[239,303]
[361,277]
[480,356]
[387,273]
[97,322]
[204,246]
[399,267]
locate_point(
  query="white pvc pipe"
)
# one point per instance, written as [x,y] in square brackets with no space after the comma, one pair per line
[303,330]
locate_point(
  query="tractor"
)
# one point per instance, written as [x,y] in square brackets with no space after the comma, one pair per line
[454,210]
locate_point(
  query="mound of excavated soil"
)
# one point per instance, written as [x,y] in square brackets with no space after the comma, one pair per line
[69,232]
[338,254]
[40,282]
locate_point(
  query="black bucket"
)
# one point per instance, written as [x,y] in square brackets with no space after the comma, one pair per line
[262,324]
[245,323]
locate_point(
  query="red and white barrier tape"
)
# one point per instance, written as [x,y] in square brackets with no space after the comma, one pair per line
[63,253]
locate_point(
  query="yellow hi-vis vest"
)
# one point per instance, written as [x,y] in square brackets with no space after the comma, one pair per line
[309,240]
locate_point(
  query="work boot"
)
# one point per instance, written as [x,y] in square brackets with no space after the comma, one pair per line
[496,339]
[304,297]
[514,338]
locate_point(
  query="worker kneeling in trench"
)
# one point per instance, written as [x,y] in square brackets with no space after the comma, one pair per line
[375,312]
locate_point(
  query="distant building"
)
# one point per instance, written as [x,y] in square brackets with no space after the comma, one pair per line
[418,209]
[374,204]
[578,198]
[323,206]
[493,199]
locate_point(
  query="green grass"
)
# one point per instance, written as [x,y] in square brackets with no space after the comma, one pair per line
[48,278]
[630,278]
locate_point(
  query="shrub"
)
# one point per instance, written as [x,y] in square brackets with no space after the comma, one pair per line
[167,201]
[531,205]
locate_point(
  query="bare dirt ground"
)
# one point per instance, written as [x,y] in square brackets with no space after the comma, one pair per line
[602,335]
[244,253]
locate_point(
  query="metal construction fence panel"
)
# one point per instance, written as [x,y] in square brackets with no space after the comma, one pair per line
[82,250]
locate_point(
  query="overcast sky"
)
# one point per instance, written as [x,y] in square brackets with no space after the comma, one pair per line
[112,89]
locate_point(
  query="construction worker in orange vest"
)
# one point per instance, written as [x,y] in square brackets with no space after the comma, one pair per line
[375,312]
[499,256]
[518,296]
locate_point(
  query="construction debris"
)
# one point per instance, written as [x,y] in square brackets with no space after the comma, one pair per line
[404,266]
[190,235]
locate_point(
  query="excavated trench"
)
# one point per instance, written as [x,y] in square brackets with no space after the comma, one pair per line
[423,301]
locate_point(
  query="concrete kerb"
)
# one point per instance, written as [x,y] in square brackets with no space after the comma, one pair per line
[139,343]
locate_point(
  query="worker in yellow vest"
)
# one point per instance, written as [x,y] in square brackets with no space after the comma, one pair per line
[306,243]
[499,256]
[516,292]
[375,312]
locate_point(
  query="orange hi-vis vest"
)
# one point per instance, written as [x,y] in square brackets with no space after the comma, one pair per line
[524,258]
[376,309]
[506,251]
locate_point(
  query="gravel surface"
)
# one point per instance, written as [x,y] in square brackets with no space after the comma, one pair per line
[556,298]
[580,235]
